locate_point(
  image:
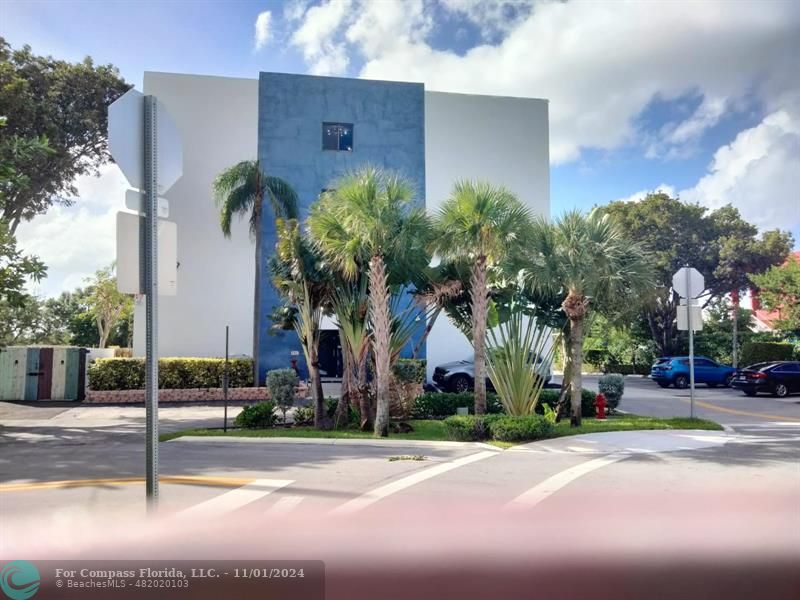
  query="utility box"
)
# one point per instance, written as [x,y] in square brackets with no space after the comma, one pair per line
[42,373]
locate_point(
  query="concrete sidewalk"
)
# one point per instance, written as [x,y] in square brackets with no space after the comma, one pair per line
[629,442]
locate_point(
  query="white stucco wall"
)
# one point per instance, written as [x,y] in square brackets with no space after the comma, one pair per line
[217,118]
[499,139]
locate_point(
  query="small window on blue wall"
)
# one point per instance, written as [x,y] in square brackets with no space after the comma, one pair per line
[337,136]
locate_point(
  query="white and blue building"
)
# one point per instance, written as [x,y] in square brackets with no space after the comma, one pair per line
[310,130]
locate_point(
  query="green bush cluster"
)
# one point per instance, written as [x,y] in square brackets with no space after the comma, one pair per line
[410,370]
[612,386]
[257,416]
[550,398]
[431,405]
[173,373]
[503,428]
[757,352]
[304,415]
[434,405]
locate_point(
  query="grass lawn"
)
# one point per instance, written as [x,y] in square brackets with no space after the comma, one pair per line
[435,430]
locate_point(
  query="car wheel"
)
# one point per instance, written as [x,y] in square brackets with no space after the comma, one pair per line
[729,379]
[663,384]
[781,390]
[750,393]
[460,384]
[681,382]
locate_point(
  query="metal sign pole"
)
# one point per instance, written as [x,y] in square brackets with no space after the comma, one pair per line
[691,342]
[150,289]
[225,377]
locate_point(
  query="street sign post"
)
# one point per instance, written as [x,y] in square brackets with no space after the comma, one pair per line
[689,283]
[144,142]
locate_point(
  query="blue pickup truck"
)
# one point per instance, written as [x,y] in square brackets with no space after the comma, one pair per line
[674,370]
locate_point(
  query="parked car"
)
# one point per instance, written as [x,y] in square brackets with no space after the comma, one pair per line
[779,378]
[674,370]
[459,376]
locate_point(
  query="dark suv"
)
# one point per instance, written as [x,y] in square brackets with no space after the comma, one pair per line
[459,376]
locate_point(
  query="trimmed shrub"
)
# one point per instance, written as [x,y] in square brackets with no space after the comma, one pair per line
[525,428]
[757,352]
[433,405]
[612,387]
[257,416]
[550,398]
[468,428]
[173,373]
[304,415]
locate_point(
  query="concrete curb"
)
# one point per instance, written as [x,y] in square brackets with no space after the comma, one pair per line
[390,443]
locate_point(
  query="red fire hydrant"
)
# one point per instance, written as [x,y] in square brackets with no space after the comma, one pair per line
[600,405]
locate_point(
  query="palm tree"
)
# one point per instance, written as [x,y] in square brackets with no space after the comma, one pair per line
[241,191]
[302,282]
[484,225]
[588,261]
[370,221]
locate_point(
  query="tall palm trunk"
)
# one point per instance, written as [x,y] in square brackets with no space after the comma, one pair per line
[426,333]
[479,297]
[366,407]
[576,378]
[257,298]
[320,418]
[566,354]
[348,385]
[381,323]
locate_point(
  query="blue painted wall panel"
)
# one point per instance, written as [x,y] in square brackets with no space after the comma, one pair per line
[389,131]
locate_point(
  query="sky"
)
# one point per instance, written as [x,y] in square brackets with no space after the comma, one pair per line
[698,99]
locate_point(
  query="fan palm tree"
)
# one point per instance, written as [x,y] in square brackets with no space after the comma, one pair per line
[370,221]
[483,225]
[241,190]
[588,261]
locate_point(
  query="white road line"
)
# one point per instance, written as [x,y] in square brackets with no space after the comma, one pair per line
[235,499]
[373,496]
[552,484]
[284,506]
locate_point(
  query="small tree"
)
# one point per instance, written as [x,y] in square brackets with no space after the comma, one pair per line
[107,304]
[281,384]
[779,291]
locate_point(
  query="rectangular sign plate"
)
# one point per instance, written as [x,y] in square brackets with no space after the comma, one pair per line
[129,258]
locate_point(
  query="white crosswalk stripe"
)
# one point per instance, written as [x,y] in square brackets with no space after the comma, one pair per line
[237,498]
[373,496]
[284,505]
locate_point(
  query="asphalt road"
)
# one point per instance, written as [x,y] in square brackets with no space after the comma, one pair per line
[66,469]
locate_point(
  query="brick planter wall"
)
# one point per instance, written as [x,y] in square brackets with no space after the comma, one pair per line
[184,395]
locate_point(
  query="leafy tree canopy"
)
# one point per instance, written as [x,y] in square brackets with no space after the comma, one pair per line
[56,127]
[779,290]
[720,244]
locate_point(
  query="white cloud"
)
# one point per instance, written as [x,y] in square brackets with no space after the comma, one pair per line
[294,10]
[75,241]
[599,64]
[639,196]
[316,36]
[757,173]
[263,29]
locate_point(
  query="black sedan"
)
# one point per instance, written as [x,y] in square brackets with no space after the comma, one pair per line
[777,378]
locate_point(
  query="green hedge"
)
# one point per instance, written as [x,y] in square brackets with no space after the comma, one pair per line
[257,416]
[503,428]
[173,373]
[441,405]
[410,370]
[757,352]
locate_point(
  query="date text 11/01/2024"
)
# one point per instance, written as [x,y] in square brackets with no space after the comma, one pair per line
[173,573]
